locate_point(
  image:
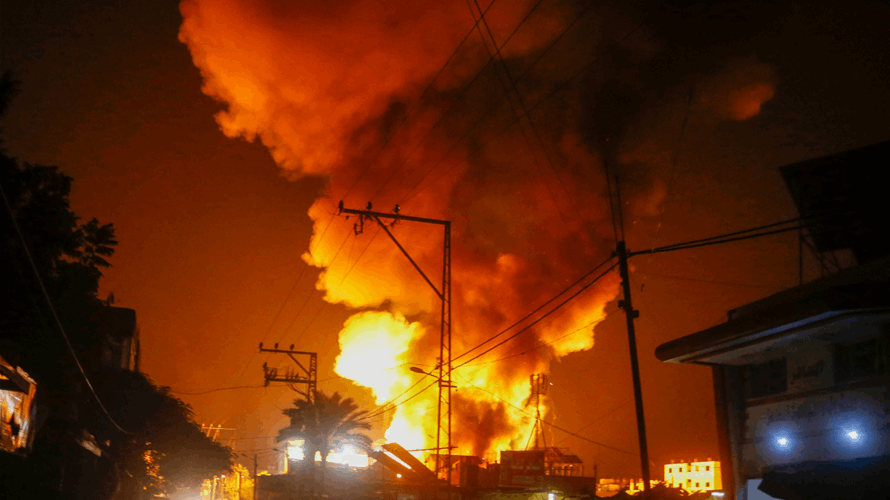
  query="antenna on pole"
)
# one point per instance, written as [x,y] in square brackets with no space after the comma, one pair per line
[539,383]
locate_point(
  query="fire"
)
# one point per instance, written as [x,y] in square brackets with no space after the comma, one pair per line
[338,90]
[372,350]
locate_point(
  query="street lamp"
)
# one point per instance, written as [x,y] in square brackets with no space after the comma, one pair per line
[417,369]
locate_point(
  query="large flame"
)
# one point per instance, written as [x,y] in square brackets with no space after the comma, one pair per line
[337,89]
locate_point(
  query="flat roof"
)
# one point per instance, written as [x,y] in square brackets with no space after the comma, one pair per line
[859,293]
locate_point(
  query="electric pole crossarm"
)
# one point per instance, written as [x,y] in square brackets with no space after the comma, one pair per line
[285,351]
[393,238]
[384,215]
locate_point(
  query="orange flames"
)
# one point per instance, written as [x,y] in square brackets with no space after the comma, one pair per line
[327,86]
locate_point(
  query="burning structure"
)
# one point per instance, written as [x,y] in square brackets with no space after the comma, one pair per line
[437,110]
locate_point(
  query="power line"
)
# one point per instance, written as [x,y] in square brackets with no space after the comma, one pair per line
[548,313]
[728,283]
[389,405]
[613,410]
[548,423]
[490,111]
[716,240]
[218,390]
[309,295]
[284,303]
[505,330]
[325,303]
[531,124]
[462,92]
[52,309]
[557,89]
[545,344]
[408,112]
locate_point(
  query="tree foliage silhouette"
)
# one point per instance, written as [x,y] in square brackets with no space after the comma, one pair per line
[69,256]
[326,424]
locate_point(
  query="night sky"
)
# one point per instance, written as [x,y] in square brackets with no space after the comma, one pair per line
[212,228]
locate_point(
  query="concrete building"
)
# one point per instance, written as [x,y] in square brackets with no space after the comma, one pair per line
[694,476]
[801,377]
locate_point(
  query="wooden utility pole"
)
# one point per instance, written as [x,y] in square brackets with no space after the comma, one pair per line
[256,479]
[632,314]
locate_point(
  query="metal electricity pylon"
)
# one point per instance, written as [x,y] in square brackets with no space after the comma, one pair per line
[539,383]
[443,411]
[305,375]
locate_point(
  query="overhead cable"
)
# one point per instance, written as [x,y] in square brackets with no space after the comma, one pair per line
[548,423]
[505,330]
[548,313]
[52,309]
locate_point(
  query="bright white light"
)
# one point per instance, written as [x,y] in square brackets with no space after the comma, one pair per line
[783,441]
[551,496]
[348,450]
[717,494]
[295,450]
[853,435]
[399,476]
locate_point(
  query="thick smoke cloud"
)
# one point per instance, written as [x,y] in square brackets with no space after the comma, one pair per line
[352,91]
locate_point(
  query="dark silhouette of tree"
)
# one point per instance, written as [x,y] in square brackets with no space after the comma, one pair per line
[162,428]
[325,425]
[37,225]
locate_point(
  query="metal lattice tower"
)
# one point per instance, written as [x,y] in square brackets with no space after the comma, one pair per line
[443,410]
[539,383]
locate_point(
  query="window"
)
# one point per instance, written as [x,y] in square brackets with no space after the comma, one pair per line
[858,360]
[681,469]
[697,485]
[696,468]
[707,485]
[707,467]
[766,379]
[670,470]
[689,482]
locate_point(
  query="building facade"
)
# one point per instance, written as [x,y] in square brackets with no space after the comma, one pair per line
[694,476]
[801,377]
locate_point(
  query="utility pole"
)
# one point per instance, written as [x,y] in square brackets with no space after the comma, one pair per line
[256,478]
[632,314]
[307,374]
[443,426]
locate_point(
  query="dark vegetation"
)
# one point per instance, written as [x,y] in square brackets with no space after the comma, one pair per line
[148,441]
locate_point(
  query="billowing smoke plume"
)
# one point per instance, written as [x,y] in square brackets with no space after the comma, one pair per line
[353,91]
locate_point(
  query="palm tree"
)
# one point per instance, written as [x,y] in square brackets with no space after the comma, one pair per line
[326,424]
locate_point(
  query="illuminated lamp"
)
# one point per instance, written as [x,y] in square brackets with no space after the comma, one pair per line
[853,435]
[781,441]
